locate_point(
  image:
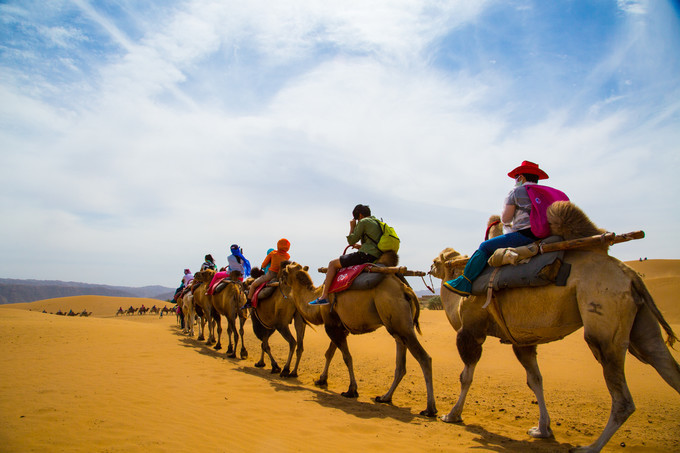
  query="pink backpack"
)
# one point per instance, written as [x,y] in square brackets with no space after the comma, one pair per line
[541,198]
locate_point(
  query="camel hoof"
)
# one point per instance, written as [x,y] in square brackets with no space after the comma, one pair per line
[380,399]
[448,418]
[350,394]
[200,338]
[232,355]
[285,373]
[276,369]
[536,433]
[429,413]
[321,383]
[244,355]
[230,349]
[217,347]
[259,365]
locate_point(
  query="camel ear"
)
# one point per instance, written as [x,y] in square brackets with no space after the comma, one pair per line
[306,268]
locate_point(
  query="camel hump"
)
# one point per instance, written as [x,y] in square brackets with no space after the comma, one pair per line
[569,221]
[389,258]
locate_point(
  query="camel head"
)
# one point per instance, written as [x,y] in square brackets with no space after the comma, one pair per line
[292,274]
[444,266]
[204,276]
[256,272]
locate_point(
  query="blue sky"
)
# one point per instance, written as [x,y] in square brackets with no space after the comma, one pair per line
[135,137]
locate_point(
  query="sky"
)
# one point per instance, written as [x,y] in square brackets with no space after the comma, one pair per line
[138,136]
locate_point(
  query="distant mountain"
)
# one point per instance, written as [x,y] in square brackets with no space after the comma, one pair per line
[16,291]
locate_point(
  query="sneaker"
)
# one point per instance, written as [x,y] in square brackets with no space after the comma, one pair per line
[319,301]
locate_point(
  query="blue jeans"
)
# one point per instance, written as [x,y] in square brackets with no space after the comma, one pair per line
[515,239]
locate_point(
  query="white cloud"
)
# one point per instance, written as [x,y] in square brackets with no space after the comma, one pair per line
[245,122]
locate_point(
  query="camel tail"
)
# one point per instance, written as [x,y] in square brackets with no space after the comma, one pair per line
[411,296]
[642,296]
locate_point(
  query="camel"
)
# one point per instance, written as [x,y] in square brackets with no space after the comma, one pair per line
[203,305]
[228,303]
[142,310]
[120,311]
[153,310]
[275,314]
[130,311]
[187,306]
[606,297]
[391,303]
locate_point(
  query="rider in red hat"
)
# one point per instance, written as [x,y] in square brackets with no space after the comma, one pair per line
[516,225]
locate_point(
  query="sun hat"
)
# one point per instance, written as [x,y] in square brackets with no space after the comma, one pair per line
[528,168]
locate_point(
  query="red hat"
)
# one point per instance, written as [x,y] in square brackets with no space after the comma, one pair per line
[530,168]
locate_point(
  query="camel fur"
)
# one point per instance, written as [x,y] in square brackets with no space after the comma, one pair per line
[392,304]
[606,297]
[228,303]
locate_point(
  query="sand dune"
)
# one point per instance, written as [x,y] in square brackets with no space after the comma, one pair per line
[135,383]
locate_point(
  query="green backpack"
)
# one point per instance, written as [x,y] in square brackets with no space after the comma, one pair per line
[389,239]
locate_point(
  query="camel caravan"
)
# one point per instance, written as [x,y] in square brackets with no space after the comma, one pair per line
[525,296]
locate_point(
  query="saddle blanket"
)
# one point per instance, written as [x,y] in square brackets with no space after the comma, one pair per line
[541,270]
[345,276]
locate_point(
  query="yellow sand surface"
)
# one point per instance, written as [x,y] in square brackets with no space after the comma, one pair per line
[136,383]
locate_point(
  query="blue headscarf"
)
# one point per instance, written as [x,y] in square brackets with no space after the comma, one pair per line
[238,253]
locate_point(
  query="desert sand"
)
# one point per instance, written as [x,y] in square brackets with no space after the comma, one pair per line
[136,383]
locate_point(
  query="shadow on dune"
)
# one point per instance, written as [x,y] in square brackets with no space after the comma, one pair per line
[327,398]
[489,441]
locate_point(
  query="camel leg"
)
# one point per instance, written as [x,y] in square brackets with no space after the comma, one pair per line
[646,343]
[266,349]
[300,327]
[232,334]
[527,357]
[338,335]
[611,353]
[470,350]
[399,372]
[330,352]
[201,327]
[244,351]
[285,333]
[425,362]
[218,322]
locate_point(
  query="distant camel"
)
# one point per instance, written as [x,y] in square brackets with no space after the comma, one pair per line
[131,310]
[85,313]
[120,311]
[392,304]
[602,295]
[154,310]
[143,310]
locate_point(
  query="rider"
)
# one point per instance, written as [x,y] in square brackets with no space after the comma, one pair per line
[362,226]
[516,224]
[273,262]
[209,263]
[237,262]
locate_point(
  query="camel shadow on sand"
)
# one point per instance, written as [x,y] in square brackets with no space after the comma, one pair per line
[488,441]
